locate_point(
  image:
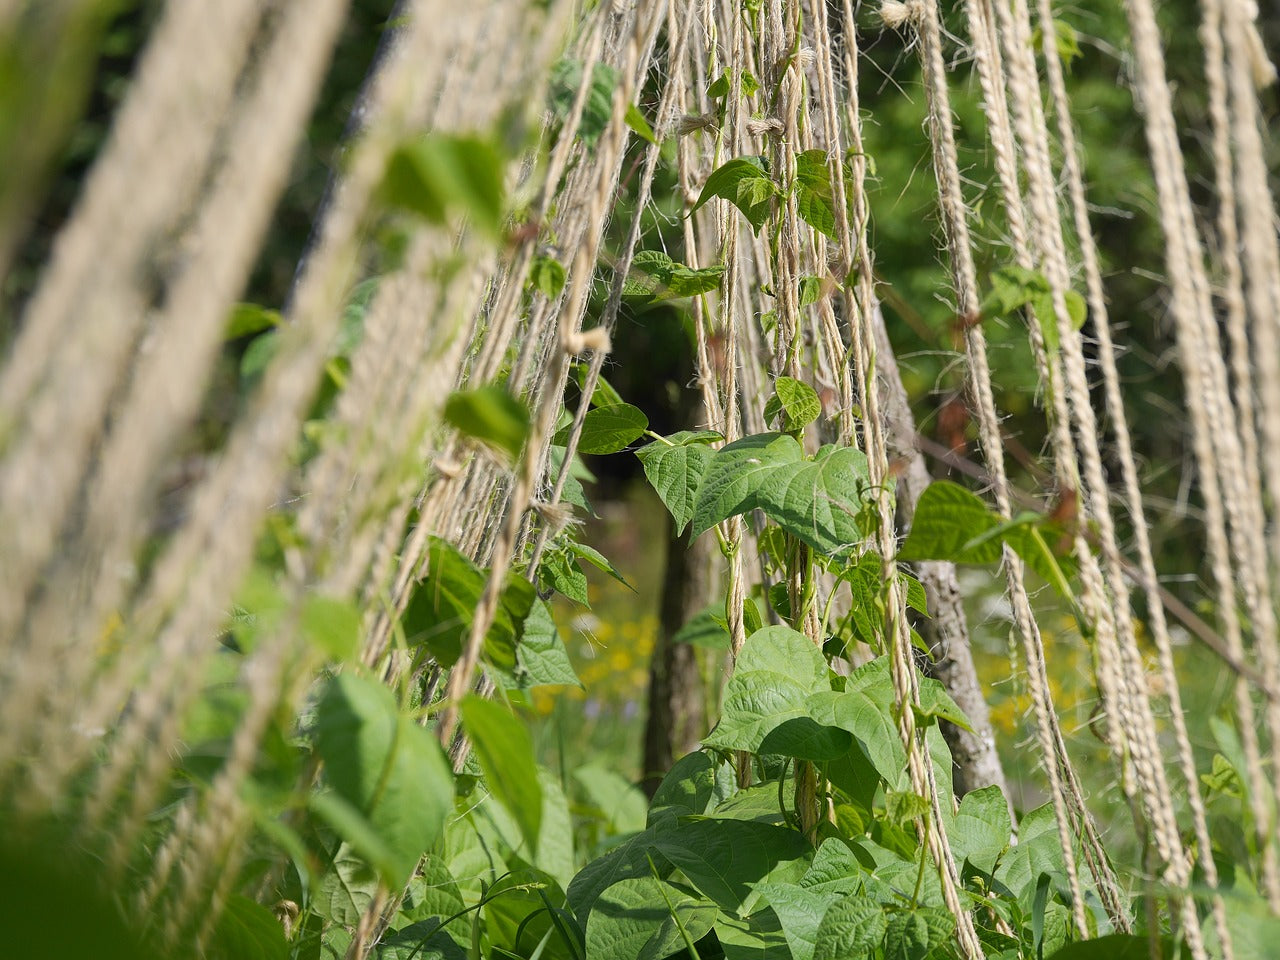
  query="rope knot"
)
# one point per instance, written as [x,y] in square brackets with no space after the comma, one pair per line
[896,14]
[758,126]
[694,121]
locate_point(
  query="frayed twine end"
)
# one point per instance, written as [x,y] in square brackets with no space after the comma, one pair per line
[595,340]
[896,14]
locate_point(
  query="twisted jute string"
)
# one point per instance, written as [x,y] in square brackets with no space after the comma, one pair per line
[166,388]
[61,372]
[1131,728]
[964,274]
[208,556]
[1124,454]
[1191,308]
[639,47]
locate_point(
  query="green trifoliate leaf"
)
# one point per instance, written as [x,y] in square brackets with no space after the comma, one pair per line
[814,197]
[745,183]
[675,468]
[491,415]
[735,473]
[607,429]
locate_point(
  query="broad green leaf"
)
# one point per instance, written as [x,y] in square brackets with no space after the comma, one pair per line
[598,560]
[723,859]
[952,524]
[706,630]
[914,934]
[250,318]
[561,572]
[1038,852]
[936,704]
[636,121]
[432,891]
[797,401]
[735,474]
[355,830]
[553,854]
[982,828]
[865,709]
[332,625]
[757,937]
[437,175]
[502,745]
[778,671]
[688,789]
[491,415]
[1066,42]
[439,614]
[423,940]
[607,429]
[723,84]
[645,919]
[851,927]
[384,765]
[346,889]
[818,500]
[810,290]
[799,911]
[1127,946]
[675,470]
[745,183]
[622,805]
[566,79]
[630,859]
[573,492]
[541,657]
[655,276]
[547,275]
[814,200]
[246,930]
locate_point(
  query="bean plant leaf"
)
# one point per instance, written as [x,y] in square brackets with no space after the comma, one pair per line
[819,500]
[333,625]
[645,919]
[656,277]
[246,930]
[796,401]
[814,197]
[561,572]
[250,318]
[491,415]
[598,560]
[723,859]
[982,828]
[439,613]
[777,672]
[705,629]
[936,704]
[1116,946]
[502,745]
[952,524]
[636,121]
[851,927]
[385,766]
[607,429]
[800,911]
[735,473]
[438,175]
[423,940]
[721,86]
[914,934]
[347,888]
[566,79]
[745,183]
[675,468]
[547,275]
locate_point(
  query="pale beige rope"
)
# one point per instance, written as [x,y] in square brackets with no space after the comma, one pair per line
[1119,663]
[82,323]
[208,556]
[570,343]
[986,52]
[166,388]
[213,844]
[1128,466]
[923,17]
[1262,268]
[1192,311]
[1124,454]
